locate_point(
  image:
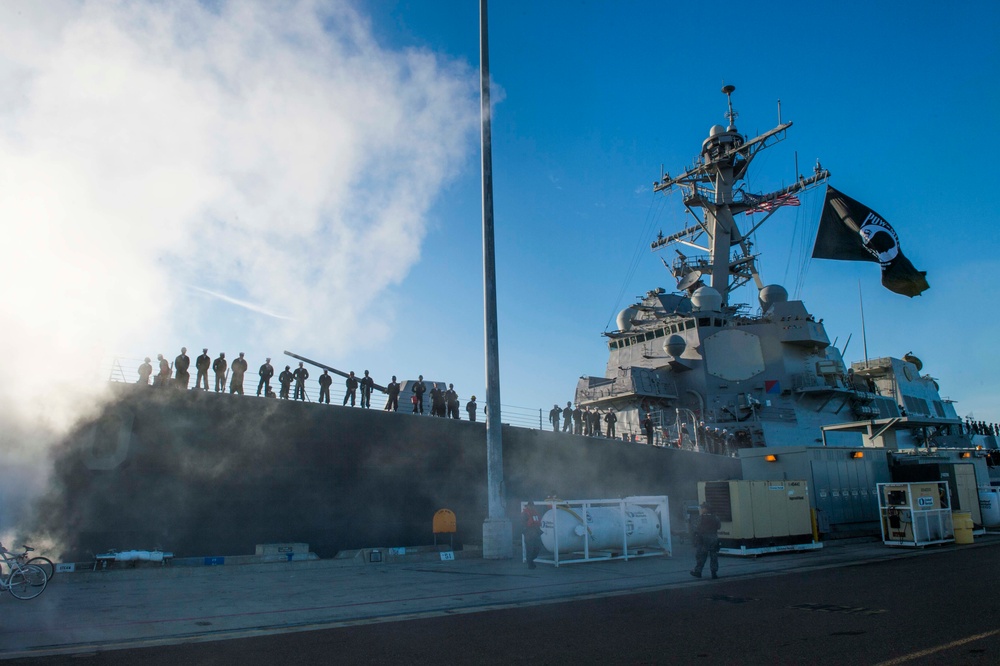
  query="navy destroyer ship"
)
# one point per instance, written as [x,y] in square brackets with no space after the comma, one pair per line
[713,374]
[200,473]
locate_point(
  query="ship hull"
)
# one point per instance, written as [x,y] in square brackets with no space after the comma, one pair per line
[211,474]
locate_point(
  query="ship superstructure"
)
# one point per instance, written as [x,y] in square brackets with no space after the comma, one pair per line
[720,376]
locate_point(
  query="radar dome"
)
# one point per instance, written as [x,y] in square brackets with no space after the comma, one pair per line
[716,130]
[624,320]
[771,294]
[706,299]
[675,345]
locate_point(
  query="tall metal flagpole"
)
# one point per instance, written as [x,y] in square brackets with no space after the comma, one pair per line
[497,536]
[864,333]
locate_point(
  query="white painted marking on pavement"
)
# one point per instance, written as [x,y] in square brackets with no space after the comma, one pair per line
[947,646]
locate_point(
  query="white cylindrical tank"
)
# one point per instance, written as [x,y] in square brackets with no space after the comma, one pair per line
[989,505]
[608,526]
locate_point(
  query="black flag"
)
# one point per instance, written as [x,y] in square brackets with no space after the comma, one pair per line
[851,231]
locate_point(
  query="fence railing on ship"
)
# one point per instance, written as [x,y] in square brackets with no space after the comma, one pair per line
[126,370]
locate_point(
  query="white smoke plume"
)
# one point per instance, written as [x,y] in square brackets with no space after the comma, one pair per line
[165,162]
[161,159]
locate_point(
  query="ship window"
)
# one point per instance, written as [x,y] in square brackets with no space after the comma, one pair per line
[689,323]
[660,332]
[885,407]
[915,405]
[939,408]
[650,335]
[705,321]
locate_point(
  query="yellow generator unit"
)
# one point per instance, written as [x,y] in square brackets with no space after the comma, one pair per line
[760,516]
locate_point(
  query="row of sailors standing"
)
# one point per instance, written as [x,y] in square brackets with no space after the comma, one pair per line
[587,421]
[981,428]
[220,366]
[583,420]
[444,402]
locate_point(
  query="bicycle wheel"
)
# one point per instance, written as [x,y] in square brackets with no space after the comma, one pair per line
[27,582]
[45,564]
[35,575]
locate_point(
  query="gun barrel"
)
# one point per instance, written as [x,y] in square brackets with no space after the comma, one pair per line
[331,369]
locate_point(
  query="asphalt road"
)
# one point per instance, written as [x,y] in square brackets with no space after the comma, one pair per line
[935,609]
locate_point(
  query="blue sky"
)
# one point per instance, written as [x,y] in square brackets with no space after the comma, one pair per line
[331,166]
[596,96]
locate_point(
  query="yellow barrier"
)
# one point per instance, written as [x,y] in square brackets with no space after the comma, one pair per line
[962,521]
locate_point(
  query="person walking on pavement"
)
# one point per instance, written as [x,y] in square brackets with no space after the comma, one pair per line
[181,365]
[266,372]
[202,363]
[611,419]
[471,408]
[418,394]
[352,388]
[531,528]
[706,541]
[239,368]
[219,366]
[285,380]
[392,390]
[554,415]
[324,387]
[300,375]
[367,385]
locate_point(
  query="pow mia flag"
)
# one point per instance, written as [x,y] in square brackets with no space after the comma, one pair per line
[851,231]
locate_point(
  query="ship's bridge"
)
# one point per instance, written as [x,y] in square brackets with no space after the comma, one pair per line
[903,390]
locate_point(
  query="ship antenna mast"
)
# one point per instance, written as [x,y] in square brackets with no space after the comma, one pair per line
[730,115]
[712,185]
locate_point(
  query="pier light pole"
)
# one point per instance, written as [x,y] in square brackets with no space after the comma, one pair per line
[497,535]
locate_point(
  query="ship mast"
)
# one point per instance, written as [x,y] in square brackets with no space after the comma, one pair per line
[711,186]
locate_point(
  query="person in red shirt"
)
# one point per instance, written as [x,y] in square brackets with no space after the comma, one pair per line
[531,527]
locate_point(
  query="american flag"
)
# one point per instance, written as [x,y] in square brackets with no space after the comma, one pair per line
[767,206]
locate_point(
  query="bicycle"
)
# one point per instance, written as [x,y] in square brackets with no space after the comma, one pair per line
[24,581]
[44,563]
